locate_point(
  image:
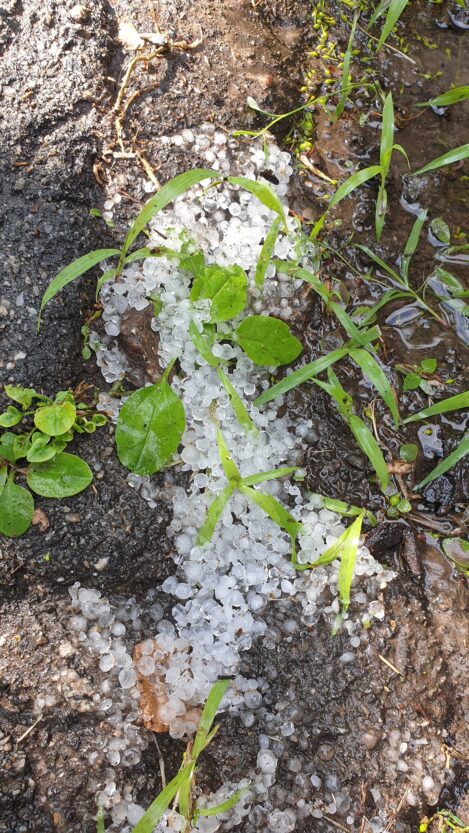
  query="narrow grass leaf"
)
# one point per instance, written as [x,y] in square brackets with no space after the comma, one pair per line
[396,7]
[347,509]
[455,155]
[412,242]
[214,513]
[236,403]
[273,474]
[371,369]
[446,464]
[379,262]
[370,447]
[158,807]
[387,135]
[336,549]
[445,406]
[453,96]
[266,252]
[71,272]
[264,194]
[315,282]
[310,370]
[223,807]
[350,328]
[209,711]
[347,561]
[345,80]
[229,466]
[276,512]
[350,184]
[379,10]
[172,189]
[100,820]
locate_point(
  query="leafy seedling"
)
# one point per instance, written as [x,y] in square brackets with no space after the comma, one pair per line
[398,506]
[453,96]
[449,158]
[446,406]
[394,9]
[417,376]
[275,511]
[181,787]
[36,452]
[457,550]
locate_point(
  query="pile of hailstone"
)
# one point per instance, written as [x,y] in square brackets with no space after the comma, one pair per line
[219,590]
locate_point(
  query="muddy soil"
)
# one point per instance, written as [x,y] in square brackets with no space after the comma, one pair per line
[62,68]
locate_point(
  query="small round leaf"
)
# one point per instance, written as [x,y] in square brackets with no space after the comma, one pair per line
[16,509]
[12,416]
[267,341]
[63,476]
[55,419]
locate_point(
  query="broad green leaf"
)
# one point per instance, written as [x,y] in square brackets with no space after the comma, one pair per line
[411,382]
[267,341]
[223,807]
[237,403]
[455,155]
[457,550]
[55,419]
[21,445]
[16,509]
[408,452]
[73,271]
[350,184]
[226,287]
[7,446]
[447,463]
[3,475]
[41,449]
[24,396]
[64,476]
[214,513]
[396,7]
[158,807]
[428,365]
[412,242]
[193,263]
[440,230]
[203,342]
[445,406]
[370,447]
[315,282]
[12,416]
[273,474]
[264,194]
[149,428]
[445,99]
[229,466]
[209,711]
[371,369]
[310,370]
[172,189]
[347,561]
[276,512]
[266,252]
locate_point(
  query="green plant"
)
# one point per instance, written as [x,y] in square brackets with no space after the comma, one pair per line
[453,96]
[398,506]
[274,118]
[348,510]
[415,376]
[181,787]
[457,550]
[345,84]
[266,502]
[455,155]
[36,452]
[394,10]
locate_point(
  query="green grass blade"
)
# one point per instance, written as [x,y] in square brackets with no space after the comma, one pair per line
[345,80]
[315,282]
[108,275]
[387,135]
[237,403]
[74,270]
[370,447]
[336,549]
[347,561]
[223,807]
[350,184]
[209,711]
[266,252]
[271,506]
[100,820]
[412,242]
[396,7]
[214,513]
[273,474]
[455,155]
[453,96]
[165,195]
[347,509]
[446,464]
[264,194]
[371,369]
[350,328]
[310,370]
[158,807]
[376,259]
[380,9]
[445,406]
[229,466]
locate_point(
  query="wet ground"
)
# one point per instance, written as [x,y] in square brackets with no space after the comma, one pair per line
[60,157]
